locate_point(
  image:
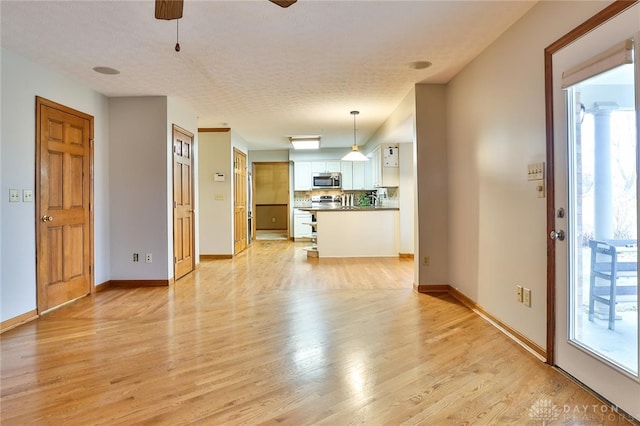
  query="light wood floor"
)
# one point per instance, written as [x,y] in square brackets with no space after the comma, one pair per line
[273,338]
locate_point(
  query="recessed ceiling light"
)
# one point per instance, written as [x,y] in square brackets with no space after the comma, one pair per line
[419,65]
[106,70]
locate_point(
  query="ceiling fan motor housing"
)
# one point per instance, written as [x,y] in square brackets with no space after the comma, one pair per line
[169,9]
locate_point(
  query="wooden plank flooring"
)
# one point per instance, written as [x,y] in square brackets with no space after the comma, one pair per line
[271,337]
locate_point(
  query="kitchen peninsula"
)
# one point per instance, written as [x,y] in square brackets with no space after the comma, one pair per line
[356,231]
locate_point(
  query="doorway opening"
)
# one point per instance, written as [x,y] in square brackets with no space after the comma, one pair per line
[271,201]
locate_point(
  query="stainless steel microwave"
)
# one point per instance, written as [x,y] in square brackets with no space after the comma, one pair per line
[327,180]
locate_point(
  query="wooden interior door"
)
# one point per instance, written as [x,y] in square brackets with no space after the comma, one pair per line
[64,232]
[183,212]
[239,201]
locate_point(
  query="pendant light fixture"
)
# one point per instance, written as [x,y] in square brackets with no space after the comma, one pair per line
[355,155]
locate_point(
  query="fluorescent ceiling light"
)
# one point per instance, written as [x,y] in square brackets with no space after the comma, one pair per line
[305,143]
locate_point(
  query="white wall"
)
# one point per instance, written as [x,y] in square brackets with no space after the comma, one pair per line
[399,128]
[406,198]
[23,80]
[432,185]
[323,154]
[139,175]
[495,127]
[216,215]
[267,156]
[141,130]
[239,143]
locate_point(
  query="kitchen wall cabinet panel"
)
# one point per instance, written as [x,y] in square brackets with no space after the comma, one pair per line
[325,166]
[318,166]
[368,174]
[346,169]
[333,166]
[302,171]
[358,177]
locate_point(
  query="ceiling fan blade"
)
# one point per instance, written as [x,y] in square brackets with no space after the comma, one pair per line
[283,3]
[169,9]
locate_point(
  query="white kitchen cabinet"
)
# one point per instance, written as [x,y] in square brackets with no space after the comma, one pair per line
[302,176]
[376,168]
[325,166]
[357,175]
[301,227]
[334,166]
[346,168]
[318,166]
[368,174]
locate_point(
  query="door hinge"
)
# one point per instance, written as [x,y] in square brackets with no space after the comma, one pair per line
[175,260]
[175,204]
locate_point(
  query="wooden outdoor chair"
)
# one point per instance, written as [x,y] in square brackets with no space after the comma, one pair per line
[612,260]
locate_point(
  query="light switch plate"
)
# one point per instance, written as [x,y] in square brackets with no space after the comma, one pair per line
[14,195]
[535,171]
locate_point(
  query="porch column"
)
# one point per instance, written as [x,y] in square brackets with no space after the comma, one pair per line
[602,181]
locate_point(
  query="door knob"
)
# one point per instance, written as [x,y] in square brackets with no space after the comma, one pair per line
[46,218]
[557,235]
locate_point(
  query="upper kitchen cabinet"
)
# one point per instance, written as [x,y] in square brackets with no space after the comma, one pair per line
[385,171]
[325,167]
[302,172]
[347,174]
[354,174]
[358,175]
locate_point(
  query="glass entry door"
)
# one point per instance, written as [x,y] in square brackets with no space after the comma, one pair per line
[596,201]
[603,279]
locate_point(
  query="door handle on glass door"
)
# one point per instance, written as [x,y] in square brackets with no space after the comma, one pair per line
[557,235]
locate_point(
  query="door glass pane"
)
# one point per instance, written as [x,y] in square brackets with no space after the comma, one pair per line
[603,217]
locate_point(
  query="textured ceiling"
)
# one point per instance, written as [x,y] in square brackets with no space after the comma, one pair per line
[264,71]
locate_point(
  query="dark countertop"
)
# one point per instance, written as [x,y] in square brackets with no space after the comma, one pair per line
[346,209]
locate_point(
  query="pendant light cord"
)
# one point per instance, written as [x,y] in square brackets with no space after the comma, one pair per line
[177,36]
[354,113]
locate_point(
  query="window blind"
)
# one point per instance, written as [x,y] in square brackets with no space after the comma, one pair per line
[620,54]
